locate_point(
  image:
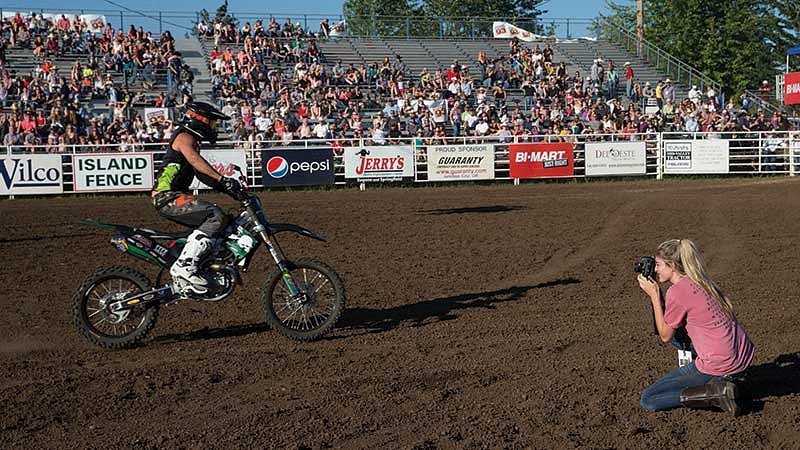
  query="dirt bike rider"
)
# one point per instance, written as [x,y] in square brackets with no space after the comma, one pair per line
[171,198]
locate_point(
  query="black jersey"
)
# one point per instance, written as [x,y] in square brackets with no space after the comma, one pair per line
[175,174]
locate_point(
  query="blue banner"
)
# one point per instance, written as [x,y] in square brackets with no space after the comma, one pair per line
[297,167]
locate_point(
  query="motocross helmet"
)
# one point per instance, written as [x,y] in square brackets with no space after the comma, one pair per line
[200,119]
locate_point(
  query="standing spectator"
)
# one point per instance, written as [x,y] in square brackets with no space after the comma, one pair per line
[324,29]
[668,90]
[694,95]
[613,81]
[660,95]
[746,100]
[173,71]
[764,91]
[628,79]
[455,119]
[595,70]
[187,80]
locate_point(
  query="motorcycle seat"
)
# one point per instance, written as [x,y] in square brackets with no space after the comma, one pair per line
[155,234]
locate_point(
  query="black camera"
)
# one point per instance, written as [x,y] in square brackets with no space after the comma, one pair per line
[645,266]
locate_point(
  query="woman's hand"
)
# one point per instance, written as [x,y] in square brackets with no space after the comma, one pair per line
[649,286]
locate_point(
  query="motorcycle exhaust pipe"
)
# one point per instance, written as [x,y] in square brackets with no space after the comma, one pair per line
[154,296]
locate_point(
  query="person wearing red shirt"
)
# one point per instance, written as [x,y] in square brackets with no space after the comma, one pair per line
[215,54]
[451,73]
[27,123]
[63,23]
[719,345]
[628,79]
[302,111]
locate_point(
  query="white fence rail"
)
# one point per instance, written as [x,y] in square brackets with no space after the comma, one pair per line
[125,168]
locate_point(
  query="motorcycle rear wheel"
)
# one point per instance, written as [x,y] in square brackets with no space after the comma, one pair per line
[97,323]
[317,307]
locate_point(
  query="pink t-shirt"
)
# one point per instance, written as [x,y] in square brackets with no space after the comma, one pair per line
[722,345]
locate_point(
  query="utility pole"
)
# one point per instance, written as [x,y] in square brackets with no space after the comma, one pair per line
[639,26]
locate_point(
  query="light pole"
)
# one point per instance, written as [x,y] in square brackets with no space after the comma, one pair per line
[639,26]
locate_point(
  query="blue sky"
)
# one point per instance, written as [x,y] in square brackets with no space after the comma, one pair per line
[574,9]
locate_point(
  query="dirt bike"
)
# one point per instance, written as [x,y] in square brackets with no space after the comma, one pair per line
[116,307]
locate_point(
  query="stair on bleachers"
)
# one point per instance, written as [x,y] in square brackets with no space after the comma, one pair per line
[583,52]
[193,54]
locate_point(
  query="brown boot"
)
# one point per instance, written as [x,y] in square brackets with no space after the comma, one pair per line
[720,394]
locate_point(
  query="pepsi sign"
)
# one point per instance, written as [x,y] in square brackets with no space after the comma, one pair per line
[297,167]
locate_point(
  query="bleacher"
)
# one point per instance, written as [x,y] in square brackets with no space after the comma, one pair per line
[22,61]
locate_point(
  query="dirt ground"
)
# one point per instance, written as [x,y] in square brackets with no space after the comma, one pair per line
[479,317]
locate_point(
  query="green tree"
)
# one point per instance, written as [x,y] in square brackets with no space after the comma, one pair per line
[377,17]
[620,15]
[736,43]
[465,18]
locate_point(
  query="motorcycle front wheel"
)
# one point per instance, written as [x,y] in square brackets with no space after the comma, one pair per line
[93,317]
[310,312]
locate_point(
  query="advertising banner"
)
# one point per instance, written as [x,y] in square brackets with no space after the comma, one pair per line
[297,167]
[113,172]
[616,158]
[223,161]
[373,163]
[541,160]
[155,115]
[460,162]
[508,31]
[699,156]
[31,174]
[791,88]
[96,23]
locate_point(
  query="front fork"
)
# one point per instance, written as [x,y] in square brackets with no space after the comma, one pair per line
[280,261]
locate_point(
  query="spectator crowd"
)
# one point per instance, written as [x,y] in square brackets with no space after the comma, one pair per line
[278,87]
[54,105]
[272,79]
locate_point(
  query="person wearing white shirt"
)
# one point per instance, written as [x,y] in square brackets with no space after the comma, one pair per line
[694,95]
[262,122]
[482,127]
[454,87]
[378,136]
[320,129]
[466,86]
[692,125]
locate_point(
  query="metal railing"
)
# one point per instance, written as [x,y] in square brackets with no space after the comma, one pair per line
[741,153]
[674,67]
[679,70]
[357,26]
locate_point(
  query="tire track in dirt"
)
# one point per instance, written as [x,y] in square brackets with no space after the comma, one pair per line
[570,257]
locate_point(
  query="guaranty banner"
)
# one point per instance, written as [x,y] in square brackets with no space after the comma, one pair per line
[460,162]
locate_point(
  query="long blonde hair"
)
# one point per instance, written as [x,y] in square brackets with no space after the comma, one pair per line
[684,257]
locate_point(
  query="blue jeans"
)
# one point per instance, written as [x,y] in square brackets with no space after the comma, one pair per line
[666,392]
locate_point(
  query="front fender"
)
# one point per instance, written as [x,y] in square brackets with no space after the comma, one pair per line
[275,228]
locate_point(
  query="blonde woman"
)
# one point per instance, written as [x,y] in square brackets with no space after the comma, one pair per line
[719,341]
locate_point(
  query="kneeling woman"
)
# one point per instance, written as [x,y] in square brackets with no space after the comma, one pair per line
[722,346]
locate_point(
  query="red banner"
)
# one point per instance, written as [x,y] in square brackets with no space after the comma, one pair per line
[541,160]
[791,88]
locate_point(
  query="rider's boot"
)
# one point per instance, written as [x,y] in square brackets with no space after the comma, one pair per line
[719,394]
[185,268]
